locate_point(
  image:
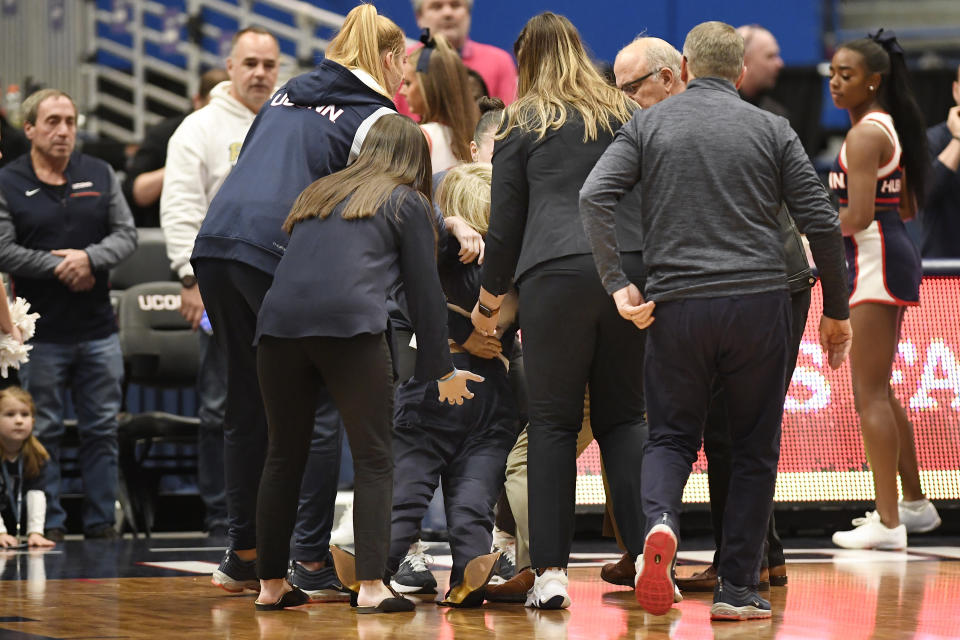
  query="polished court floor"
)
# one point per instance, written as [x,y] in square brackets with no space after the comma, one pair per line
[160,589]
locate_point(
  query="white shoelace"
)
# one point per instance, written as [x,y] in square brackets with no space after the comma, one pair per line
[870,516]
[417,557]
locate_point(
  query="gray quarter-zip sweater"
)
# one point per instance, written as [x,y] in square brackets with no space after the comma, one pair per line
[712,171]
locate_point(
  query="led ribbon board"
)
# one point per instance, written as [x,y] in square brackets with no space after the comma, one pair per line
[821,450]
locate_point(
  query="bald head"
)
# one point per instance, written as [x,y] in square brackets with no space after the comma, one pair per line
[648,71]
[761,57]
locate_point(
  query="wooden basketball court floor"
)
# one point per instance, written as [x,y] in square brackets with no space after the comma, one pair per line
[160,588]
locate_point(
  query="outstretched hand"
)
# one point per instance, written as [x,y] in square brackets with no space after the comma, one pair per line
[836,336]
[631,306]
[471,242]
[454,390]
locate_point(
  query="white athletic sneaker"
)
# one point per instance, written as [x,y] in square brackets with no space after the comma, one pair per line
[342,534]
[871,533]
[677,596]
[919,516]
[506,568]
[549,590]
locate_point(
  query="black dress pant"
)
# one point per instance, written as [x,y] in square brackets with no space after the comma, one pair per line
[718,446]
[573,337]
[742,341]
[232,294]
[358,374]
[465,446]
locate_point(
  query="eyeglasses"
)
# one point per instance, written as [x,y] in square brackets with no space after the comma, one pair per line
[634,85]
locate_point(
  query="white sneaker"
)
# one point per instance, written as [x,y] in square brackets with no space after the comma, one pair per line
[871,533]
[342,534]
[919,516]
[549,590]
[677,596]
[506,568]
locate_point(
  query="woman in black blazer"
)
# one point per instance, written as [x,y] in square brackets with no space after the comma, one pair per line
[573,337]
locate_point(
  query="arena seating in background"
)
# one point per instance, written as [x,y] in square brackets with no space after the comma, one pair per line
[160,351]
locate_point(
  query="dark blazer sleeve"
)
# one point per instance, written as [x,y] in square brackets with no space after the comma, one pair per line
[509,196]
[426,303]
[941,176]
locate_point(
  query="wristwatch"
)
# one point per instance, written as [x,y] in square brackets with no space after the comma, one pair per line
[188,281]
[486,311]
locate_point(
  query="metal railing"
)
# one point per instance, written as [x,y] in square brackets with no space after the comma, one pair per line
[147,55]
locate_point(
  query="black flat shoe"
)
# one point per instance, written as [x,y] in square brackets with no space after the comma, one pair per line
[396,604]
[293,598]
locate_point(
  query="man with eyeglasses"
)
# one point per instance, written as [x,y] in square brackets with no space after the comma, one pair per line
[648,71]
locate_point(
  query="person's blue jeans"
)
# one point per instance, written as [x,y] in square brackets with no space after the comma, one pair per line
[212,396]
[92,372]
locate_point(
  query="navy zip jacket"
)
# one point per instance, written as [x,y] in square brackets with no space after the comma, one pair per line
[940,215]
[336,275]
[311,127]
[89,213]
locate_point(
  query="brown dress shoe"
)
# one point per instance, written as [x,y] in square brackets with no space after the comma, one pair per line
[764,584]
[778,575]
[704,580]
[623,572]
[513,590]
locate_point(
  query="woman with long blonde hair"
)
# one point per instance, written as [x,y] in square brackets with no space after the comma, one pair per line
[573,338]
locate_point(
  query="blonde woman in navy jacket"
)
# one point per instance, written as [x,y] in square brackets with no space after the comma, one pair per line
[323,324]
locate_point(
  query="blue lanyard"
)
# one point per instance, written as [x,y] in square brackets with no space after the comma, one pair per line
[18,498]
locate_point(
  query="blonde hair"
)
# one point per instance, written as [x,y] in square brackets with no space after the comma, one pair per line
[556,75]
[465,192]
[394,153]
[363,40]
[32,452]
[714,50]
[446,93]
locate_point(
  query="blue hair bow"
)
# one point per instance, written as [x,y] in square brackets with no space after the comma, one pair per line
[429,44]
[887,40]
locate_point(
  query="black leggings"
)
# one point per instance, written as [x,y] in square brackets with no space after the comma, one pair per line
[572,337]
[358,374]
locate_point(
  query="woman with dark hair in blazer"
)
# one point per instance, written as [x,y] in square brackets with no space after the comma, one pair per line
[323,323]
[573,337]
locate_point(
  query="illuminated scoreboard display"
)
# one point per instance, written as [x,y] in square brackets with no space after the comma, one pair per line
[821,452]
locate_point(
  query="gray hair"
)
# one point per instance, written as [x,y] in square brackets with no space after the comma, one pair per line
[418,5]
[659,54]
[31,106]
[714,50]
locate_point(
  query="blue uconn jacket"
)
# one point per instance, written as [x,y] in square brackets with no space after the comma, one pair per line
[311,127]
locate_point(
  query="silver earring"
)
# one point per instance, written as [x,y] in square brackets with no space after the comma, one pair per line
[871,88]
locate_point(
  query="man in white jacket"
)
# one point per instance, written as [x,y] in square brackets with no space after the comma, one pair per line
[200,154]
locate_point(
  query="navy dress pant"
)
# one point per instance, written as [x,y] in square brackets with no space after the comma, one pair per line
[719,448]
[741,342]
[464,446]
